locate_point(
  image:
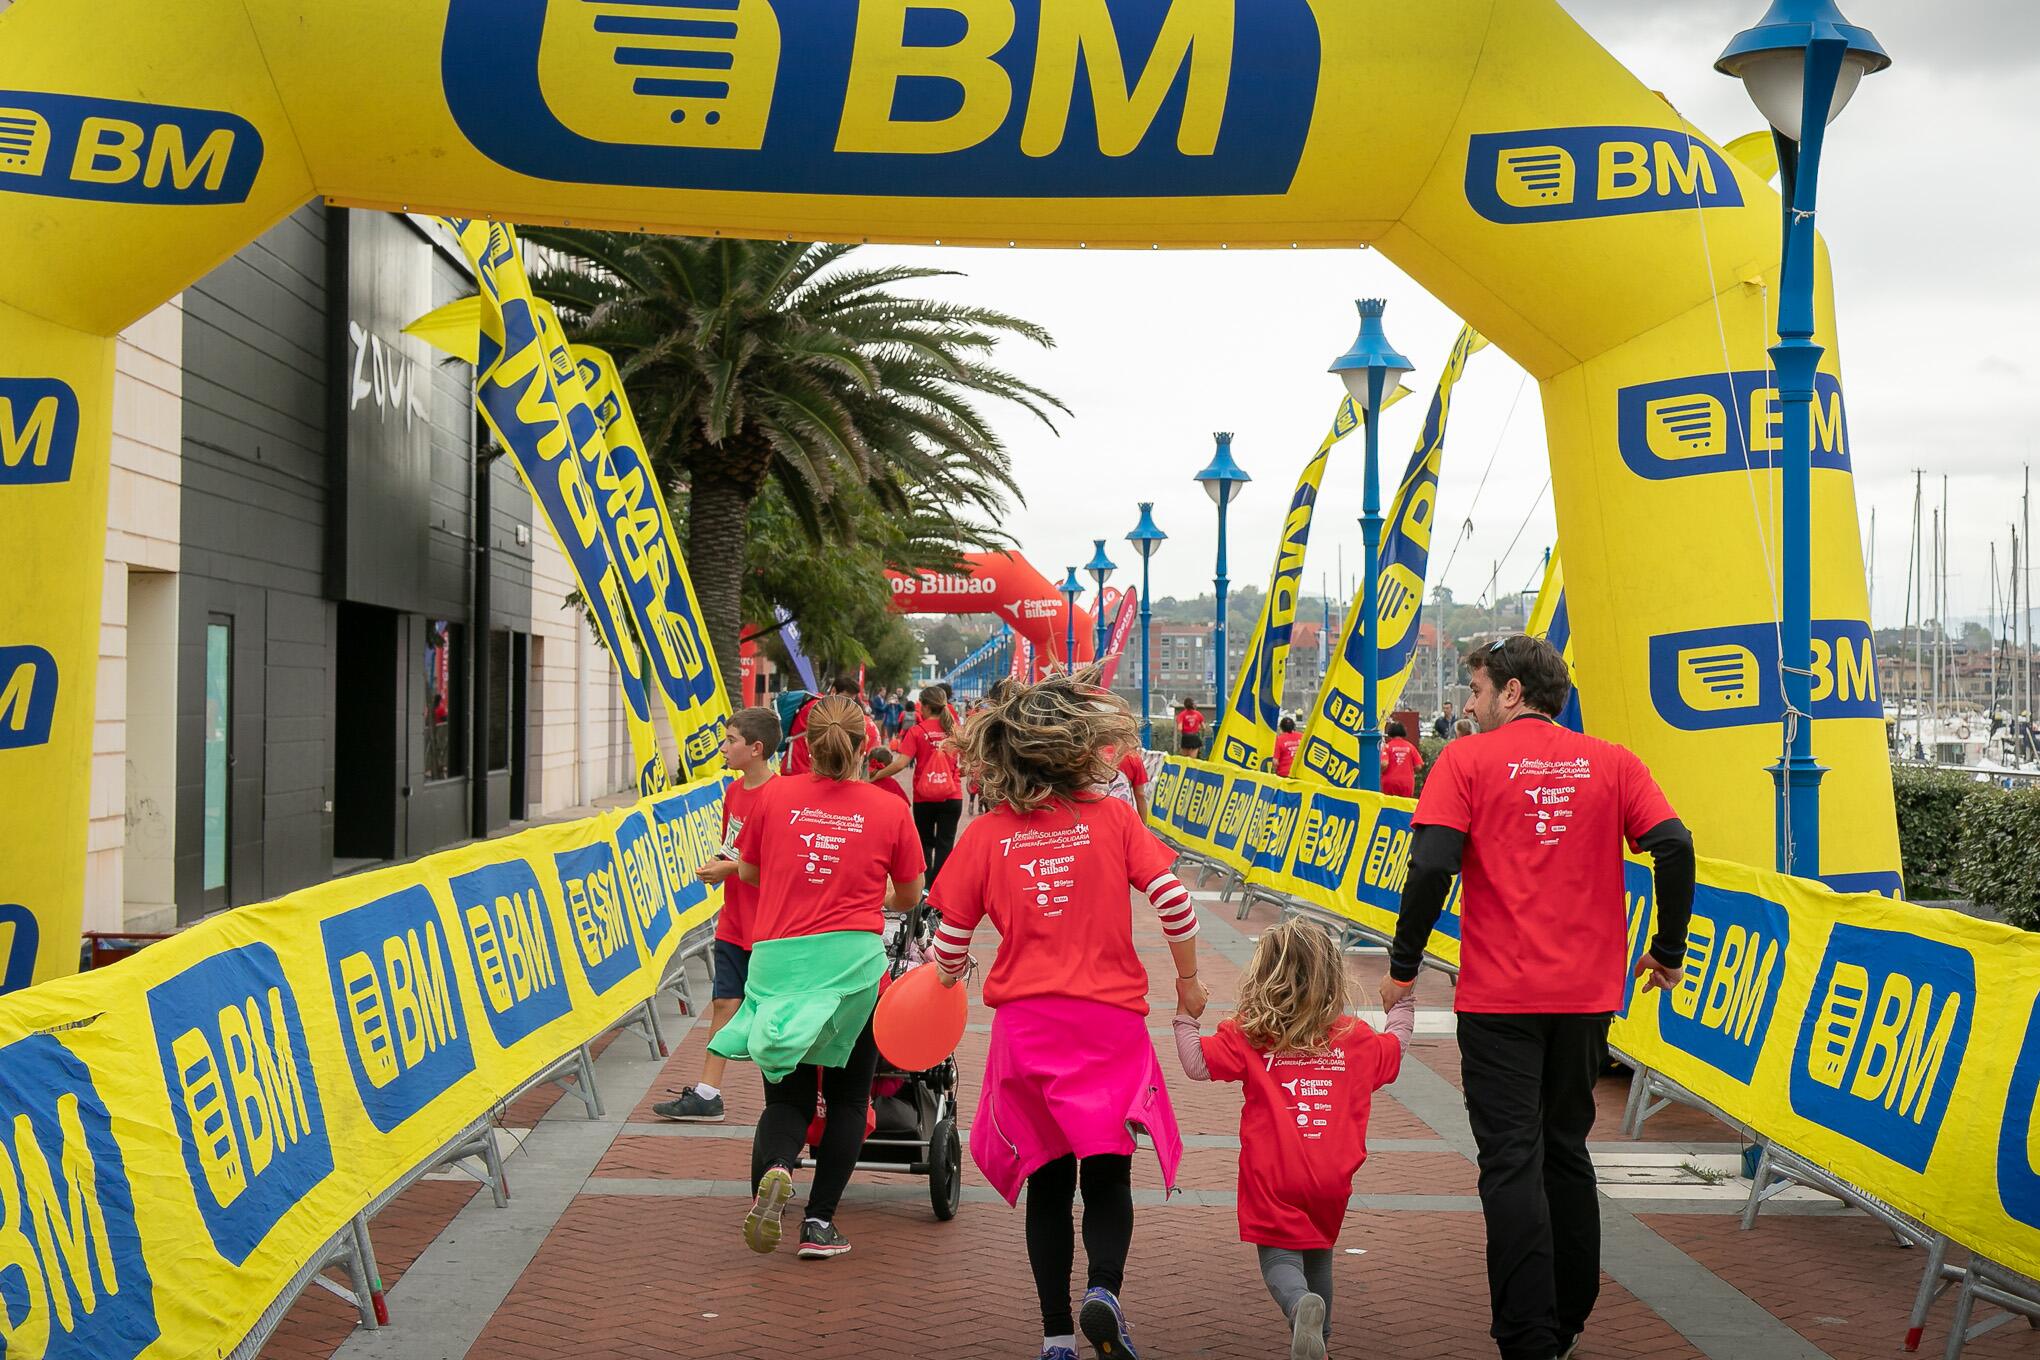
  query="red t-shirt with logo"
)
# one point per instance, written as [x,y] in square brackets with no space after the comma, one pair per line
[1303,1128]
[1400,760]
[740,899]
[796,760]
[1546,812]
[824,850]
[1285,751]
[1189,720]
[936,779]
[1055,883]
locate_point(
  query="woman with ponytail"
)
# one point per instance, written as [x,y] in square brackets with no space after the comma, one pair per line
[929,746]
[826,852]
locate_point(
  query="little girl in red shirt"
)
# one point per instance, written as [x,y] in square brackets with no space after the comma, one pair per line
[1310,1072]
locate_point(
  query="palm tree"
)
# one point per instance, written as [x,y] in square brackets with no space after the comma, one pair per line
[757,361]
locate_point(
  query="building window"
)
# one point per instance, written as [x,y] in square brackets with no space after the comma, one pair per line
[500,681]
[445,753]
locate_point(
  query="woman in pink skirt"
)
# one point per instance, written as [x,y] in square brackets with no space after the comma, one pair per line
[1072,1073]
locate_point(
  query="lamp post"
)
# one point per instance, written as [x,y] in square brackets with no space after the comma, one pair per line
[1145,538]
[1100,569]
[1371,370]
[1070,589]
[1222,481]
[1800,64]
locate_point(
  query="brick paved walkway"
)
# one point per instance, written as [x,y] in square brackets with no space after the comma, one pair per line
[622,1239]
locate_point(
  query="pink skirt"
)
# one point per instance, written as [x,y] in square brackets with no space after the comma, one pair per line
[1069,1077]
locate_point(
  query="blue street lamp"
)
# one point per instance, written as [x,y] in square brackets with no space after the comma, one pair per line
[1145,538]
[1070,589]
[1222,481]
[1371,371]
[1100,569]
[1800,63]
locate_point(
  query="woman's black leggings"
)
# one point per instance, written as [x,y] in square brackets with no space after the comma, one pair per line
[1051,1237]
[937,824]
[790,1108]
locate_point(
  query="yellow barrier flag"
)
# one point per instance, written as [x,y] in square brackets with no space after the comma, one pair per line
[1551,620]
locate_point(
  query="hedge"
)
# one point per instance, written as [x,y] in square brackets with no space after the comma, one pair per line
[1999,860]
[1932,808]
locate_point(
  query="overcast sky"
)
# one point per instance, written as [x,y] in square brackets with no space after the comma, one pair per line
[1927,203]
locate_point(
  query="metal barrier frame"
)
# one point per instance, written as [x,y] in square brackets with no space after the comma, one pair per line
[2017,1295]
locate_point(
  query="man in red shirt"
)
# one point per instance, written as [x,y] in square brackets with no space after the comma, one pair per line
[1400,760]
[1189,729]
[1286,742]
[1533,817]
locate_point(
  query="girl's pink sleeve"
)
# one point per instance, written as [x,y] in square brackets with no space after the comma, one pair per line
[1190,1050]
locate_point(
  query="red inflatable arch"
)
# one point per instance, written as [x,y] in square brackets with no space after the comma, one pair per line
[1005,584]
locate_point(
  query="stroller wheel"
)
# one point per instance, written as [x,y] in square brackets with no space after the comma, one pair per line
[945,1170]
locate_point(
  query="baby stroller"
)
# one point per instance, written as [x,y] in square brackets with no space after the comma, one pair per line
[912,1124]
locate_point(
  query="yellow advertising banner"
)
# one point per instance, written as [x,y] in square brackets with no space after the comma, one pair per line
[1551,620]
[1897,1047]
[181,1132]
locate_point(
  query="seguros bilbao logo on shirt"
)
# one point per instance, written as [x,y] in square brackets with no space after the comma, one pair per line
[120,151]
[1563,174]
[1735,965]
[1721,422]
[597,916]
[398,1002]
[1728,677]
[74,1284]
[510,940]
[28,696]
[243,1093]
[984,98]
[1325,841]
[38,429]
[1881,1047]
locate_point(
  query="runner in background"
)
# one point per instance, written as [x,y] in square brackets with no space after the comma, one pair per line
[938,786]
[1401,758]
[1189,728]
[1286,742]
[1129,780]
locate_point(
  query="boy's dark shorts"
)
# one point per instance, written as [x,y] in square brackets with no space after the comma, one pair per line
[732,971]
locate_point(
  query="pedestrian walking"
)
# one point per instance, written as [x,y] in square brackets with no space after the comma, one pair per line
[1533,817]
[938,784]
[1189,729]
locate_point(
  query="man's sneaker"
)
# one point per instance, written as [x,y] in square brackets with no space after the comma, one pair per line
[691,1108]
[820,1241]
[1102,1322]
[1307,1329]
[761,1225]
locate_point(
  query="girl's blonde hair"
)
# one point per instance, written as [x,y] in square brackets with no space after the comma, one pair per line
[1045,741]
[836,736]
[1294,991]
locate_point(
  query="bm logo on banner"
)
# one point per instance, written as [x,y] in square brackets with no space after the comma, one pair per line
[38,428]
[118,151]
[1728,677]
[984,98]
[1735,966]
[1561,174]
[509,933]
[1716,422]
[398,1003]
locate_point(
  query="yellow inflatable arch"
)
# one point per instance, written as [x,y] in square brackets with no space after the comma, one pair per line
[1489,147]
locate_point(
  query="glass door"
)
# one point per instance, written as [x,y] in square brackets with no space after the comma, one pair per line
[219,758]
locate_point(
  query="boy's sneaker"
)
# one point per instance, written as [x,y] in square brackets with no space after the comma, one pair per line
[1307,1329]
[761,1225]
[691,1108]
[1102,1322]
[820,1241]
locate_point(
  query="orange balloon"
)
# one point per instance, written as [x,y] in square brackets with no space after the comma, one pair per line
[919,1022]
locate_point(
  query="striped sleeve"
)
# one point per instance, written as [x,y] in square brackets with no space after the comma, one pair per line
[1172,903]
[951,949]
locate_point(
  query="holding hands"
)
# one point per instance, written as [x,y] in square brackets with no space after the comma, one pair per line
[1393,992]
[1191,997]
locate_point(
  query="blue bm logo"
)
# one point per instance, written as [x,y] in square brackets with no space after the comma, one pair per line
[1728,677]
[1639,893]
[73,1281]
[596,914]
[242,1092]
[117,151]
[509,933]
[688,831]
[1234,812]
[1735,965]
[957,98]
[1324,844]
[398,1003]
[1385,867]
[28,696]
[1270,825]
[1199,802]
[644,889]
[38,429]
[1562,174]
[20,936]
[2018,1155]
[1721,422]
[1881,1047]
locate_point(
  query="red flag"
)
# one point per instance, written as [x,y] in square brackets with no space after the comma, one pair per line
[1122,629]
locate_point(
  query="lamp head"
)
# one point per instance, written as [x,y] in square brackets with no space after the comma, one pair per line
[1770,59]
[1371,353]
[1223,478]
[1100,567]
[1071,588]
[1145,537]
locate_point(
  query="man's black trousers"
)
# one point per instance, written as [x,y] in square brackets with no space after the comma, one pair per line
[1530,1098]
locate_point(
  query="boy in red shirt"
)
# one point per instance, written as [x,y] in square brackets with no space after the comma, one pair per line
[748,744]
[1400,761]
[1310,1073]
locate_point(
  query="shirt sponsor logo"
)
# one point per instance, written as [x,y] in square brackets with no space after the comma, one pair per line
[596,915]
[1728,677]
[1325,843]
[28,696]
[509,933]
[38,429]
[398,1003]
[119,151]
[970,98]
[1881,1048]
[243,1093]
[1721,422]
[1563,174]
[74,1284]
[1735,965]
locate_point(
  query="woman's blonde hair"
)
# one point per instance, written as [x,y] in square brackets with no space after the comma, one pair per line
[1294,990]
[836,736]
[1040,742]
